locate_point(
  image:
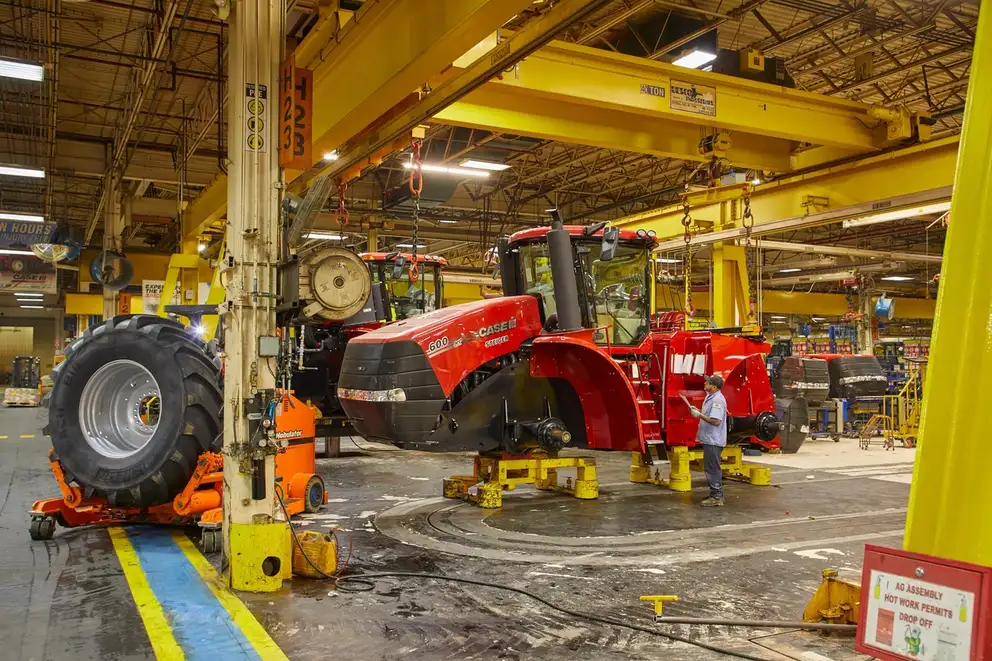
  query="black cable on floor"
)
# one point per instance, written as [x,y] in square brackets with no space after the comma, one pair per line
[366,583]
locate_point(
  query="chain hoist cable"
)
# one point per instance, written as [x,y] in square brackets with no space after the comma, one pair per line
[747,220]
[687,259]
[341,215]
[416,187]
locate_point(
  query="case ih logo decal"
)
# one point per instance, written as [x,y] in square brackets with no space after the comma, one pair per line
[442,344]
[486,331]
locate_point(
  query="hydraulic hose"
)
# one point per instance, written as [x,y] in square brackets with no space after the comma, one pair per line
[757,624]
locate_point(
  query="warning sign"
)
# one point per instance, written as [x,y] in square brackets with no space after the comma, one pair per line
[256,119]
[917,619]
[689,97]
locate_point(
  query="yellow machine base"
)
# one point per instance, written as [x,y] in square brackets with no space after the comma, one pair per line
[260,556]
[493,475]
[683,461]
[837,601]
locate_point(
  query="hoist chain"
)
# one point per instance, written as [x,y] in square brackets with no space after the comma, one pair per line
[341,216]
[747,220]
[416,187]
[687,259]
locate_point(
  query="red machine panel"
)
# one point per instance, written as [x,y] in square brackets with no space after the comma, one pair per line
[447,336]
[918,607]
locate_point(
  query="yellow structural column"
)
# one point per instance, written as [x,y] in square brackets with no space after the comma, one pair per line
[730,287]
[256,544]
[950,504]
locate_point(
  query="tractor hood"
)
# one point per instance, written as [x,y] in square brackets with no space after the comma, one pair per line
[395,380]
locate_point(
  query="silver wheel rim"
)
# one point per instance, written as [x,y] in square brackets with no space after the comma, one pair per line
[117,409]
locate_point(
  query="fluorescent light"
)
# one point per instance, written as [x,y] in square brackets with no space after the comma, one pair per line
[897,278]
[14,171]
[448,222]
[33,307]
[25,217]
[16,252]
[818,318]
[484,165]
[899,214]
[426,167]
[323,236]
[26,294]
[694,59]
[331,155]
[21,70]
[667,260]
[409,245]
[789,270]
[778,316]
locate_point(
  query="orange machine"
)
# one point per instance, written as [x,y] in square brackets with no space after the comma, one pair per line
[301,489]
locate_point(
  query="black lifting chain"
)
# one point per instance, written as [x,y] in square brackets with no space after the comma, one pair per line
[416,187]
[687,259]
[747,220]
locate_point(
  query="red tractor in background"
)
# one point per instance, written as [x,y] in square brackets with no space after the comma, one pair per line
[568,357]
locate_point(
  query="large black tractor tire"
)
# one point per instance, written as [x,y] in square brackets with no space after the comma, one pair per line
[112,369]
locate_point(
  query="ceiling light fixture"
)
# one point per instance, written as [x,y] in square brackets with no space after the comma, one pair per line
[28,294]
[897,278]
[484,165]
[15,171]
[818,318]
[16,252]
[33,307]
[410,245]
[667,260]
[778,316]
[448,222]
[442,169]
[331,155]
[694,59]
[323,236]
[898,214]
[21,70]
[23,217]
[789,270]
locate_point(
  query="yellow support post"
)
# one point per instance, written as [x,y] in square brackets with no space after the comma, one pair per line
[730,286]
[950,503]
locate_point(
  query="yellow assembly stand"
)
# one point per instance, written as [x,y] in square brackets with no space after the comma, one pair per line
[683,461]
[494,474]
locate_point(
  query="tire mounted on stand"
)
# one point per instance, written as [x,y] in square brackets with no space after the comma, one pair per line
[134,404]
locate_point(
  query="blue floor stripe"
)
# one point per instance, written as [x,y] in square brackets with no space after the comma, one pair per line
[199,622]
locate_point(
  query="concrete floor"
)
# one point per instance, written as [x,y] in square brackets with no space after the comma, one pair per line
[759,557]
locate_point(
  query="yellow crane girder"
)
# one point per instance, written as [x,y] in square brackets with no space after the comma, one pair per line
[591,96]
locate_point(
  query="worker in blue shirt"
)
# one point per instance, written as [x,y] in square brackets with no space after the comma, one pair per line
[712,435]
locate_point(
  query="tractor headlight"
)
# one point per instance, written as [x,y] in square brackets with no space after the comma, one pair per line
[391,395]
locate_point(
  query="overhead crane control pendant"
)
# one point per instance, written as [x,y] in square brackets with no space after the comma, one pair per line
[337,282]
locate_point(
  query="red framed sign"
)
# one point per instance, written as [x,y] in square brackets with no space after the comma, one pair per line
[922,608]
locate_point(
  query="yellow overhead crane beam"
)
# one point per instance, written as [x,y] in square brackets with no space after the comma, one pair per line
[916,175]
[365,64]
[594,97]
[385,53]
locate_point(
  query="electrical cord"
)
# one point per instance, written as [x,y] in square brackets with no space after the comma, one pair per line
[365,583]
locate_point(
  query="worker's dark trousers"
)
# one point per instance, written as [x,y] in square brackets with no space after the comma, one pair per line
[711,464]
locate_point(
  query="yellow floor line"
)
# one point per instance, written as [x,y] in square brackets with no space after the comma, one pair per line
[25,436]
[253,631]
[3,438]
[159,632]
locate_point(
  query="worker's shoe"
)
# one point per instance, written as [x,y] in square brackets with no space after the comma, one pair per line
[712,502]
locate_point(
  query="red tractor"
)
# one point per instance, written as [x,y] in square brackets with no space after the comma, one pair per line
[569,356]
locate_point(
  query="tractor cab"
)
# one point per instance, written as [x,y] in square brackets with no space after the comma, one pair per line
[612,272]
[406,294]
